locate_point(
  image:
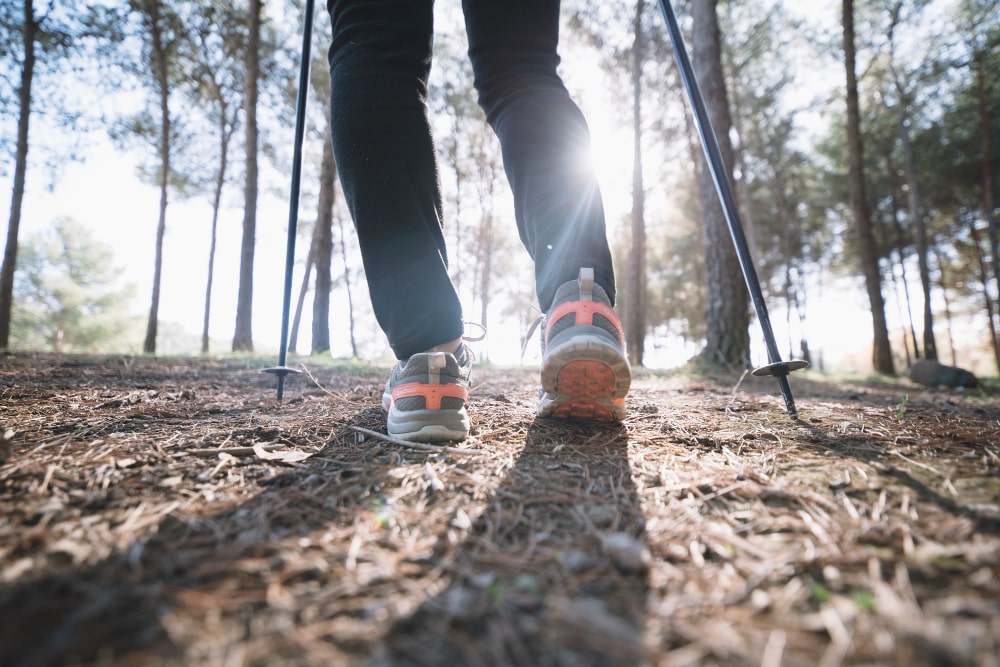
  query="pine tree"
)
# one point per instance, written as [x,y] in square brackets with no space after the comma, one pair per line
[867,247]
[728,316]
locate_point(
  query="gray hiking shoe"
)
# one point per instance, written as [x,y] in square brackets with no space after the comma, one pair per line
[425,396]
[585,374]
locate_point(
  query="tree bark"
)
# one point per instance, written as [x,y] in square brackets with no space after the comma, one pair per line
[29,33]
[293,332]
[986,118]
[347,286]
[918,221]
[324,249]
[225,134]
[635,313]
[243,335]
[488,177]
[867,247]
[949,324]
[728,315]
[159,56]
[984,278]
[901,242]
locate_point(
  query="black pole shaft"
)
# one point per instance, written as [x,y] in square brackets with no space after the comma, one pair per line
[293,202]
[717,165]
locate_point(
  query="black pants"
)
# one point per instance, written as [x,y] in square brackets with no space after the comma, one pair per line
[380,58]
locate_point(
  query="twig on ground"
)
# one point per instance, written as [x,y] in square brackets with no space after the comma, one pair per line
[415,445]
[232,451]
[736,389]
[321,387]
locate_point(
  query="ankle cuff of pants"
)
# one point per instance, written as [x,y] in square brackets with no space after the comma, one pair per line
[412,343]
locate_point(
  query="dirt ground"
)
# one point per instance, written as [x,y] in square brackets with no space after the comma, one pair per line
[173,512]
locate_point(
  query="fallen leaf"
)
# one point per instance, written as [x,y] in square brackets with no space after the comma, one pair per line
[283,456]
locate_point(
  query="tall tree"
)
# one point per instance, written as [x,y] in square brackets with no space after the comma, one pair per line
[984,278]
[323,248]
[727,313]
[322,237]
[30,28]
[161,35]
[986,121]
[785,233]
[157,26]
[916,213]
[216,86]
[979,25]
[867,246]
[348,285]
[243,335]
[36,42]
[635,312]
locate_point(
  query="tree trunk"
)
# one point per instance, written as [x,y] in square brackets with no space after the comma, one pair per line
[347,286]
[984,278]
[293,332]
[792,249]
[635,313]
[867,247]
[949,324]
[987,124]
[159,57]
[29,33]
[485,282]
[220,182]
[455,263]
[728,316]
[324,249]
[488,173]
[901,242]
[243,336]
[919,227]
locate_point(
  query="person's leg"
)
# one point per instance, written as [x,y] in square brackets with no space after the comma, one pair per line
[557,203]
[380,58]
[544,138]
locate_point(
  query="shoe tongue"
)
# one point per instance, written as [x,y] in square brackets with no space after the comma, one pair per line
[586,284]
[436,361]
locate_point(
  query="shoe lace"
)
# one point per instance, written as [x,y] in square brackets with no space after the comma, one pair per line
[531,330]
[473,357]
[474,339]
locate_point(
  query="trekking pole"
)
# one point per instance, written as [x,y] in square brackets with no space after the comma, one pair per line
[281,370]
[775,367]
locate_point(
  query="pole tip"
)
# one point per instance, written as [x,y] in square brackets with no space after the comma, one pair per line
[780,368]
[281,372]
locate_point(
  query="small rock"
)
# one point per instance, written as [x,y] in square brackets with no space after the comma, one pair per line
[578,561]
[626,552]
[935,374]
[6,445]
[602,516]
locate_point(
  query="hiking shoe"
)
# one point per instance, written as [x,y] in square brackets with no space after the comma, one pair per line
[585,374]
[425,396]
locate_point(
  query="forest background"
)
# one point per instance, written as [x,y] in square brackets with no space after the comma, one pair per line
[150,187]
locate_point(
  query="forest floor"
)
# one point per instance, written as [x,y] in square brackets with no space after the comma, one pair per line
[173,512]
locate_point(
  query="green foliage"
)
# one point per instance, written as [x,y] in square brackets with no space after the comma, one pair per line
[863,600]
[820,592]
[68,295]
